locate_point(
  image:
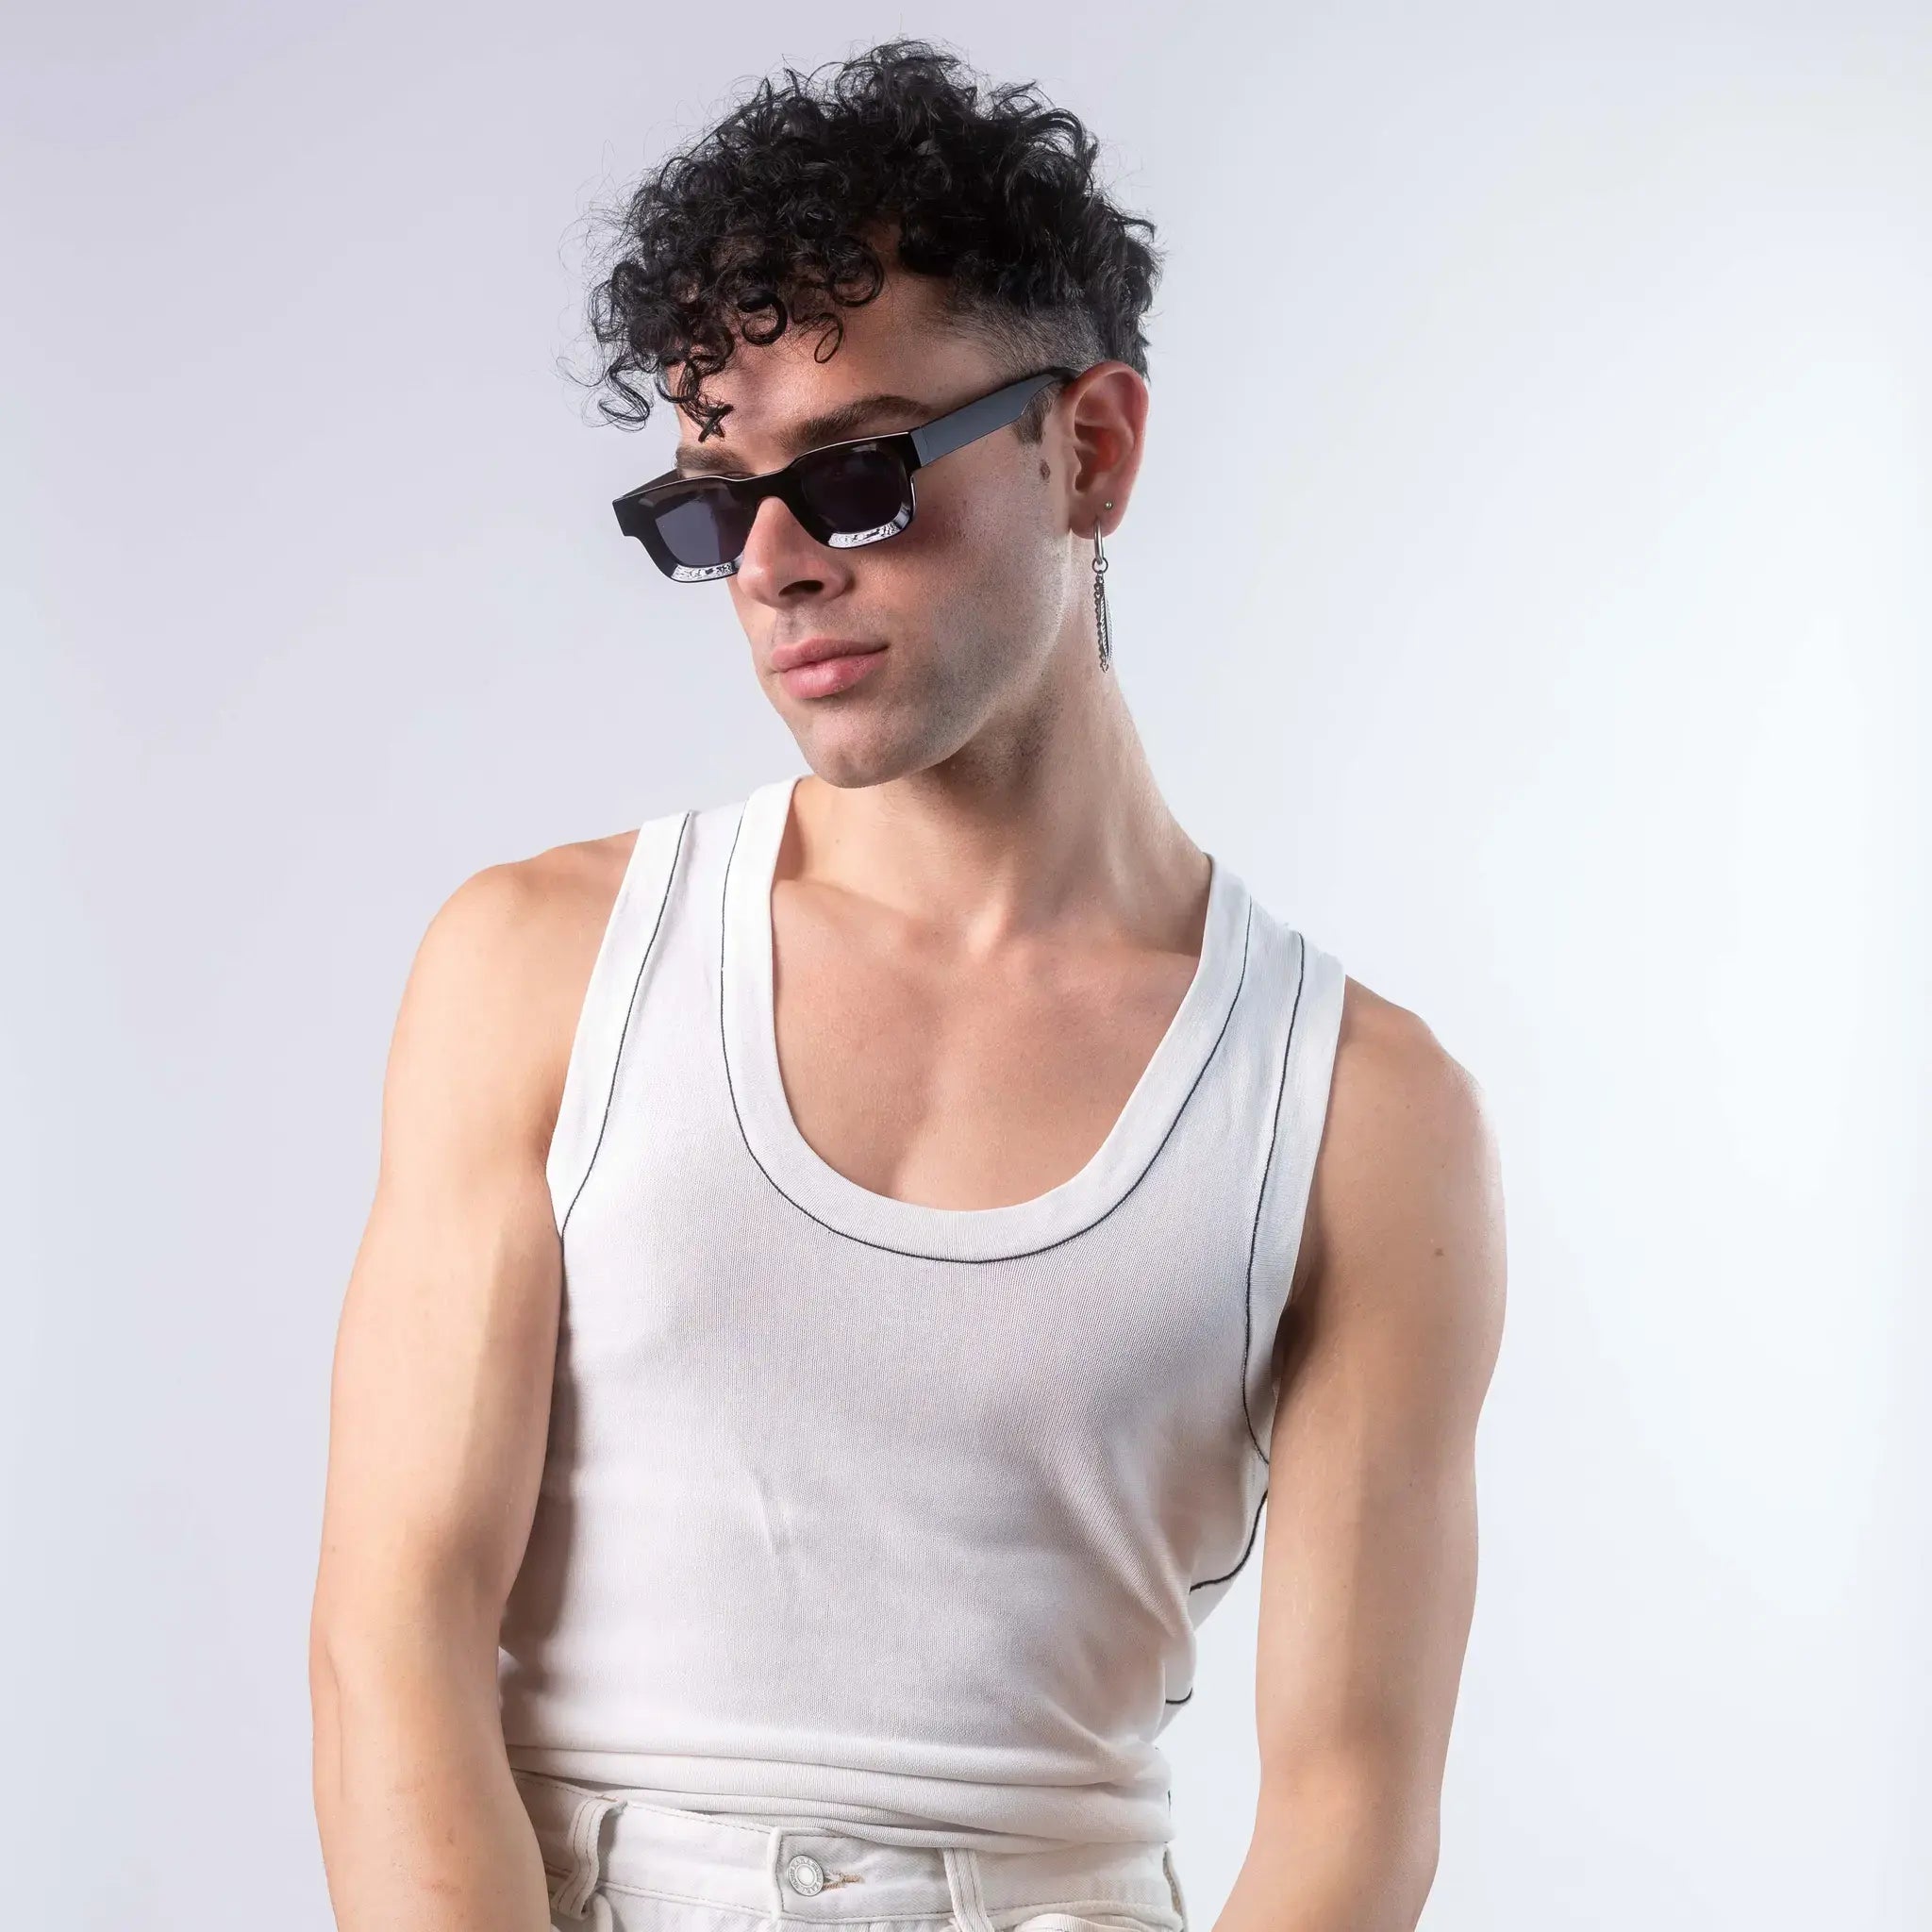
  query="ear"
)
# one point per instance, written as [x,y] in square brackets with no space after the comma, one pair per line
[1102,422]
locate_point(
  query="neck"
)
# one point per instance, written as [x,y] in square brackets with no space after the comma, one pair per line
[1025,827]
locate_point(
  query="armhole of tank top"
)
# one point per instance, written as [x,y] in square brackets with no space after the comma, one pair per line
[1308,1065]
[630,932]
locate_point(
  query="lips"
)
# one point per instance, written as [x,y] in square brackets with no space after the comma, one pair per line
[811,650]
[823,676]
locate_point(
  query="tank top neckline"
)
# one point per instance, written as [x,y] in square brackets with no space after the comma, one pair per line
[748,1033]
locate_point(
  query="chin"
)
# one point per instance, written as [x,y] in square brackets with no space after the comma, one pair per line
[852,771]
[853,760]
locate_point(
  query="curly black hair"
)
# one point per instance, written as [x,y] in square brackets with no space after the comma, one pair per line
[768,219]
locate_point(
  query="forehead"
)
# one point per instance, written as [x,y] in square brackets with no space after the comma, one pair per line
[890,365]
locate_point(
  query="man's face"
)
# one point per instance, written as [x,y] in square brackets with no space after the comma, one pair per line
[969,601]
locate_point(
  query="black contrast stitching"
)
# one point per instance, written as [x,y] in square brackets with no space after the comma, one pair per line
[1229,1575]
[1261,1194]
[616,1059]
[921,1254]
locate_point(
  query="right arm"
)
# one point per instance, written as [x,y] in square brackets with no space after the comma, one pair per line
[438,1412]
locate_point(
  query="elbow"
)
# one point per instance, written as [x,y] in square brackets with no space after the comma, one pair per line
[363,1641]
[1361,1826]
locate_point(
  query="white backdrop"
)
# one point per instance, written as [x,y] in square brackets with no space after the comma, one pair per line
[1527,591]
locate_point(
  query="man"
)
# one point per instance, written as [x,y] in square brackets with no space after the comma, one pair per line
[848,1265]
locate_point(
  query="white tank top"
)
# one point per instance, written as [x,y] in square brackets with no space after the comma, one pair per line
[873,1511]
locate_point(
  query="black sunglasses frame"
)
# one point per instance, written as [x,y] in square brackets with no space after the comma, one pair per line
[637,509]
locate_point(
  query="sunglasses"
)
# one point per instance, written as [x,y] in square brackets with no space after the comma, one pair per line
[845,494]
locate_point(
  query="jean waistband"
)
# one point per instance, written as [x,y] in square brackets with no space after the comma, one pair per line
[805,1874]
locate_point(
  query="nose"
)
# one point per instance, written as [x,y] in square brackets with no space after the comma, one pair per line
[782,559]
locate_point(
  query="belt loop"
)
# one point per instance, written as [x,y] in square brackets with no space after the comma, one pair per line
[1173,1883]
[968,1893]
[774,1846]
[579,1887]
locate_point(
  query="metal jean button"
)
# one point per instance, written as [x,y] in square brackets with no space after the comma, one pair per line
[805,1875]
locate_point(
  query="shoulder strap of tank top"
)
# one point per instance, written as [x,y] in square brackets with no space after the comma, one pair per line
[1314,993]
[637,915]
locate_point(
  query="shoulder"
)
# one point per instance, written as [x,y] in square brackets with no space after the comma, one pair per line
[1406,1203]
[499,976]
[1394,1079]
[522,921]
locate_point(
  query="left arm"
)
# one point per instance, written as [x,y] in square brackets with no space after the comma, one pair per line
[1368,1561]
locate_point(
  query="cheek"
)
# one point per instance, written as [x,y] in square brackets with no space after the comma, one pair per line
[978,567]
[1000,505]
[999,535]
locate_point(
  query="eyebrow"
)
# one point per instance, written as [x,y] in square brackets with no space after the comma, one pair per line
[831,425]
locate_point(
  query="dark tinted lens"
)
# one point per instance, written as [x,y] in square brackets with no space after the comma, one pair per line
[855,490]
[701,524]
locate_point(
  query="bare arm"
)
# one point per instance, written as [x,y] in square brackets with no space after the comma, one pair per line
[440,1408]
[1370,1554]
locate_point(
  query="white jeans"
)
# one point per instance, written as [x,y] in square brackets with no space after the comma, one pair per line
[616,1864]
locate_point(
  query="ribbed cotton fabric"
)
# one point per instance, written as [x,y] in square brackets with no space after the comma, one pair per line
[874,1511]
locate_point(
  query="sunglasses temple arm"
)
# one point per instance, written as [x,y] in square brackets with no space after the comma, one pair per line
[974,420]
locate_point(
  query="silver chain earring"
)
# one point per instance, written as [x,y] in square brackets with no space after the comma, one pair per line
[1101,626]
